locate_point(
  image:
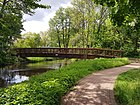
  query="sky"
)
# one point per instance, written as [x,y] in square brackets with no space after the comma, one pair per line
[39,21]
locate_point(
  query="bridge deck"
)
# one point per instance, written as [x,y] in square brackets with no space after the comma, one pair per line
[88,53]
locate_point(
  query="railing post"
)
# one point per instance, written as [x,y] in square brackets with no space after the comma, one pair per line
[113,53]
[85,53]
[74,52]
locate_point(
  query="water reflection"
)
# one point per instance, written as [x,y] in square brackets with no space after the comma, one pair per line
[17,73]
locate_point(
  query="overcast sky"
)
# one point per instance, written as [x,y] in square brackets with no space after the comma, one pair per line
[39,21]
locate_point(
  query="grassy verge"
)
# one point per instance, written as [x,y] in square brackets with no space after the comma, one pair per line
[40,59]
[48,88]
[127,88]
[36,59]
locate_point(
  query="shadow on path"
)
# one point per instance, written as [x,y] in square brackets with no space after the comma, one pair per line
[97,88]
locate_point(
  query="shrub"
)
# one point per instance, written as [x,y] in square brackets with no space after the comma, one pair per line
[49,87]
[127,88]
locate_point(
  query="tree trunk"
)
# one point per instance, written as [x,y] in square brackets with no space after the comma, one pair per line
[69,29]
[135,41]
[58,38]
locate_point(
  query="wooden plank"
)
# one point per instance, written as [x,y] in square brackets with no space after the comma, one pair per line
[68,52]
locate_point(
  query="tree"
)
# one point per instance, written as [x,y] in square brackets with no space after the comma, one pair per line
[45,39]
[92,18]
[80,26]
[123,11]
[31,40]
[60,27]
[126,13]
[19,7]
[11,12]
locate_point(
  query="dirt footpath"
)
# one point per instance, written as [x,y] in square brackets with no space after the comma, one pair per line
[97,88]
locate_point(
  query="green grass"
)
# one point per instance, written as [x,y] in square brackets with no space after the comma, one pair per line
[48,88]
[127,88]
[36,59]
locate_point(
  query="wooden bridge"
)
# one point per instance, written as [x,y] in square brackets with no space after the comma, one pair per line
[82,53]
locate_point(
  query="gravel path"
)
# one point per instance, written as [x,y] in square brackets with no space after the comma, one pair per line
[97,88]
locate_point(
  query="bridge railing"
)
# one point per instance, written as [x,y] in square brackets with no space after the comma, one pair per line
[73,51]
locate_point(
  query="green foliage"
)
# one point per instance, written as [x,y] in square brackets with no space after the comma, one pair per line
[126,13]
[88,24]
[36,58]
[123,11]
[127,88]
[84,24]
[16,7]
[60,28]
[29,40]
[78,26]
[32,40]
[10,30]
[11,13]
[48,88]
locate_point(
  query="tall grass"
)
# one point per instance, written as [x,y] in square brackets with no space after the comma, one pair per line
[127,88]
[48,88]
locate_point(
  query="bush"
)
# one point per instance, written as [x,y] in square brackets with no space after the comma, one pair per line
[48,88]
[127,88]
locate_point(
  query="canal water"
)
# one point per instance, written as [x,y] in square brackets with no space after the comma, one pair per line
[17,73]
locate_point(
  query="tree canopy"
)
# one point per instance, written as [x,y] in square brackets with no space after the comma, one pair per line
[113,24]
[11,13]
[88,24]
[126,13]
[123,11]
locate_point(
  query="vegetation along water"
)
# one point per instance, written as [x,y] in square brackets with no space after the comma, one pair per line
[49,87]
[20,72]
[111,24]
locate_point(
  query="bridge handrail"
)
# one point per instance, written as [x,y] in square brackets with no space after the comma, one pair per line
[74,48]
[83,51]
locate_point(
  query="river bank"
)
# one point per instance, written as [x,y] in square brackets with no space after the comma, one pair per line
[48,88]
[12,74]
